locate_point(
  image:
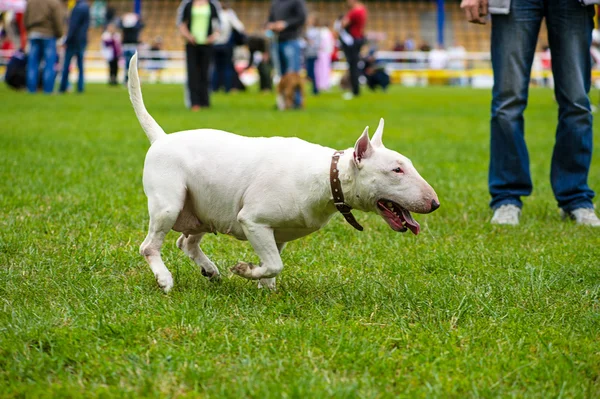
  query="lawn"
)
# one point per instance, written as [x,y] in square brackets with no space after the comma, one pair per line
[465,309]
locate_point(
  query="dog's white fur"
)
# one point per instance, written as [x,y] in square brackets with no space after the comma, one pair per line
[265,190]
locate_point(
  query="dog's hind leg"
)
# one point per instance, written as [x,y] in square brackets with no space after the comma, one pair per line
[191,246]
[270,282]
[163,214]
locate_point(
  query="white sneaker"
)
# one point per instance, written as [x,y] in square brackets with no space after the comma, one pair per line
[583,217]
[348,96]
[507,214]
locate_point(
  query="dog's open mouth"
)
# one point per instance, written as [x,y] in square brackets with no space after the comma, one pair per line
[397,217]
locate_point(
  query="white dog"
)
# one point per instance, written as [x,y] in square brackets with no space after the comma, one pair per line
[265,190]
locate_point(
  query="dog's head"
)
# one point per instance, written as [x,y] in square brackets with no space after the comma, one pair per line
[386,182]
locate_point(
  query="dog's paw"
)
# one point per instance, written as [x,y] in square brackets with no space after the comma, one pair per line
[267,283]
[211,275]
[243,269]
[165,282]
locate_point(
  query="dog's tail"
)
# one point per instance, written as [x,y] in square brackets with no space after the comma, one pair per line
[152,129]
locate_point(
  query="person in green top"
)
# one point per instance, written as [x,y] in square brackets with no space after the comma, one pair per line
[200,27]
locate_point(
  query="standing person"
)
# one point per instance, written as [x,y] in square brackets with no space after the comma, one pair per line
[76,41]
[131,25]
[111,50]
[323,64]
[354,23]
[515,30]
[231,34]
[200,27]
[311,51]
[44,23]
[286,19]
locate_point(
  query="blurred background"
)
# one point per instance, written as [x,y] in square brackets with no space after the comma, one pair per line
[412,42]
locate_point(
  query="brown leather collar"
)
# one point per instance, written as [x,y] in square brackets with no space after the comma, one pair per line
[338,195]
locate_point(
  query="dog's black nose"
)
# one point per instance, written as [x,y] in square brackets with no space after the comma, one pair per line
[434,205]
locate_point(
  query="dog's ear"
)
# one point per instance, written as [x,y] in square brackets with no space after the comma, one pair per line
[363,148]
[377,140]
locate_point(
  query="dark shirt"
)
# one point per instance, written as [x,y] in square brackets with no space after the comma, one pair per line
[79,22]
[131,33]
[293,12]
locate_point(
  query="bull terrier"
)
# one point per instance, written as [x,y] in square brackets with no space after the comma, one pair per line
[266,190]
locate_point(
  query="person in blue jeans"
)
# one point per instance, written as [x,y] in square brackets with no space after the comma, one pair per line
[75,43]
[131,25]
[286,20]
[43,20]
[515,28]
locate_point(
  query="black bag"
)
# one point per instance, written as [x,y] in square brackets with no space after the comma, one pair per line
[16,70]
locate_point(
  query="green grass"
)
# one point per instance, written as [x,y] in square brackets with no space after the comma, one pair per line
[465,309]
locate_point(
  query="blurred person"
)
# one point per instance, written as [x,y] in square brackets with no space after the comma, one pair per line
[199,26]
[5,43]
[438,58]
[323,64]
[354,23]
[311,51]
[110,14]
[398,45]
[515,29]
[131,25]
[286,20]
[111,50]
[44,22]
[258,47]
[231,34]
[409,43]
[375,74]
[158,58]
[75,43]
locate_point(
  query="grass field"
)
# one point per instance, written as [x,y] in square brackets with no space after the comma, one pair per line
[465,309]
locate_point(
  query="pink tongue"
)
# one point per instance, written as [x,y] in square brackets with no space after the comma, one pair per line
[410,222]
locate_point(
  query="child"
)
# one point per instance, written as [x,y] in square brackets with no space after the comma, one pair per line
[111,50]
[311,52]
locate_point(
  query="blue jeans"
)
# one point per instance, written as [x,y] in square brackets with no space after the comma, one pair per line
[290,60]
[41,49]
[310,72]
[70,52]
[514,38]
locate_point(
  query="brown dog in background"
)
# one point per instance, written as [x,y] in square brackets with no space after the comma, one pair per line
[286,90]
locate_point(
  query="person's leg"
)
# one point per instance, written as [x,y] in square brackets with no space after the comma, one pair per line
[229,68]
[292,60]
[81,83]
[204,60]
[570,35]
[127,54]
[64,81]
[218,70]
[113,66]
[514,38]
[50,57]
[33,64]
[352,53]
[283,64]
[310,72]
[192,74]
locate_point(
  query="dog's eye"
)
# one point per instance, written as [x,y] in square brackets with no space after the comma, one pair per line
[398,170]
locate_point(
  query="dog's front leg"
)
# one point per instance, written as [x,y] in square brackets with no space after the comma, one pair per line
[263,241]
[270,282]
